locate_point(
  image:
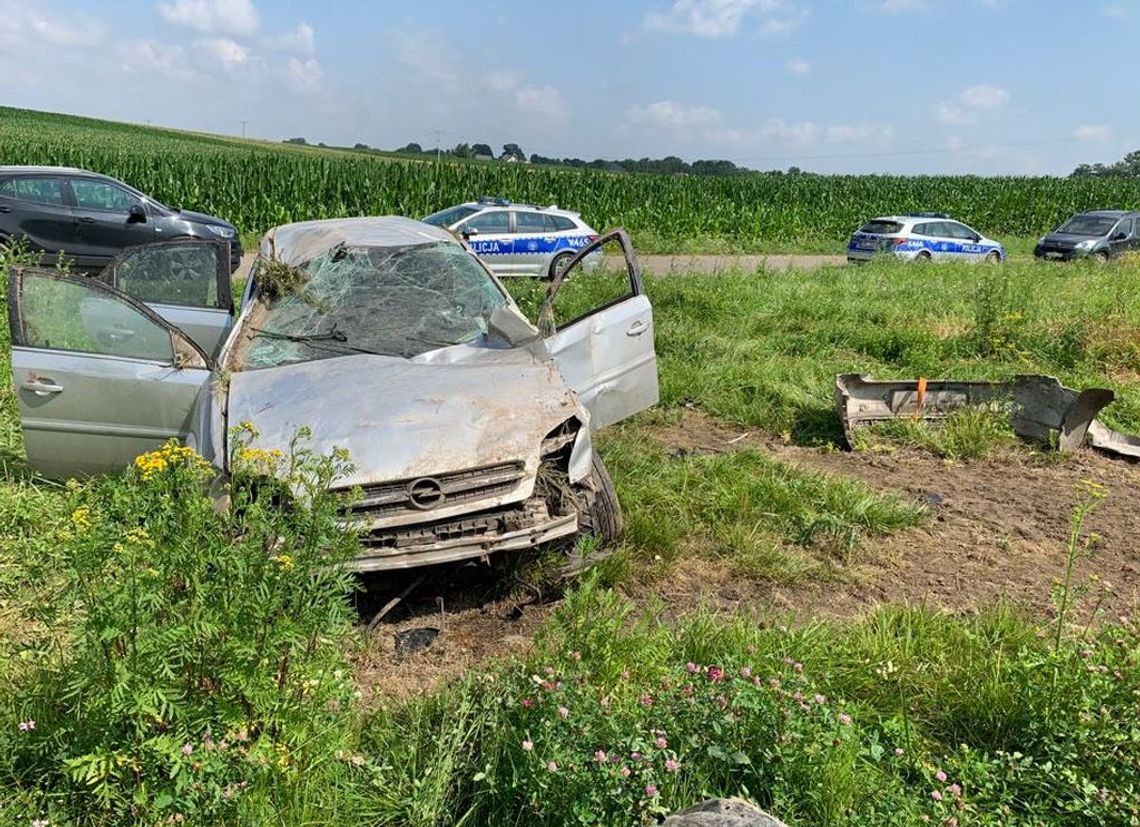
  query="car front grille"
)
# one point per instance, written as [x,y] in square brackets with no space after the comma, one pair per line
[484,525]
[418,495]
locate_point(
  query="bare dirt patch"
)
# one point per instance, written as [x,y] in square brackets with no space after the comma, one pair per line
[998,530]
[998,526]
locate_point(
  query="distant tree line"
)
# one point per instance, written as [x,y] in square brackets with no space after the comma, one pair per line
[1127,168]
[513,153]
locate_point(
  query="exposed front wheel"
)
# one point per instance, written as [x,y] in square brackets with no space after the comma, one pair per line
[599,521]
[558,265]
[993,257]
[1100,257]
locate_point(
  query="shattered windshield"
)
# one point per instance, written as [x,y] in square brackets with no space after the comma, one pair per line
[390,301]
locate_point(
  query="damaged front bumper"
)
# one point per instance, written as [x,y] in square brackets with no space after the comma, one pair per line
[1043,408]
[474,536]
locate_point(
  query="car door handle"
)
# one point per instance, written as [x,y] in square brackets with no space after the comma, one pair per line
[637,328]
[42,387]
[85,219]
[5,208]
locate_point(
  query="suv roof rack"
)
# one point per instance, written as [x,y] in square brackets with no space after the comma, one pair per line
[928,215]
[493,201]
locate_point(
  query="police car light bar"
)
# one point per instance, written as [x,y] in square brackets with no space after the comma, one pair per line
[498,202]
[927,215]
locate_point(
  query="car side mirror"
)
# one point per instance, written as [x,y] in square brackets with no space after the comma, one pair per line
[467,232]
[136,214]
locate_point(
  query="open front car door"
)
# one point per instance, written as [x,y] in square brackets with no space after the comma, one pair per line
[99,377]
[604,349]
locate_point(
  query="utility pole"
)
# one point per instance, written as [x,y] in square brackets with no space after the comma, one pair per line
[438,133]
[243,128]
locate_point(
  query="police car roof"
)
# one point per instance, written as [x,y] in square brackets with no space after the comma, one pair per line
[904,219]
[504,204]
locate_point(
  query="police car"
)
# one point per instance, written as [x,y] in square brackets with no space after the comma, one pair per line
[518,239]
[922,237]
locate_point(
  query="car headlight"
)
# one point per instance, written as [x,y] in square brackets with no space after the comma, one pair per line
[1041,240]
[220,232]
[1086,245]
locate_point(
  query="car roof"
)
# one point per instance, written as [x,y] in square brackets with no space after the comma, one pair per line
[296,244]
[1108,213]
[41,170]
[494,205]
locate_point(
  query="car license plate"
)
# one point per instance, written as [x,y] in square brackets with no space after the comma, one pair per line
[868,245]
[1054,255]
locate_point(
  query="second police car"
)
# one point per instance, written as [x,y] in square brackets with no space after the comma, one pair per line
[517,239]
[922,237]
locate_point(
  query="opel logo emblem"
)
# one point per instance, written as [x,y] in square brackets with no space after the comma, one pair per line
[426,493]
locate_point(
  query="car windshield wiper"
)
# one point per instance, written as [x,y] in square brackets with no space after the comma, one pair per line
[333,335]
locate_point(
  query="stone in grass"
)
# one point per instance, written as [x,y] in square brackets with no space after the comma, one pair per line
[722,812]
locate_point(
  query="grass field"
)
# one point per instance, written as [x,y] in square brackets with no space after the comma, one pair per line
[258,185]
[157,692]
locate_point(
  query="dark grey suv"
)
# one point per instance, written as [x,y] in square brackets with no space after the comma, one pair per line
[90,217]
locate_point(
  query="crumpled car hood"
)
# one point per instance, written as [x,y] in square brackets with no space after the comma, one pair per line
[453,409]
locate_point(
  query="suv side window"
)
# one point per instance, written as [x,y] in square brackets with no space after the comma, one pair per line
[530,223]
[489,222]
[97,195]
[558,224]
[921,229]
[1124,226]
[960,231]
[36,190]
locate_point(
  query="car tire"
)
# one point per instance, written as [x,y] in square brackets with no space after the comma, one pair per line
[599,512]
[1100,257]
[993,257]
[558,265]
[923,258]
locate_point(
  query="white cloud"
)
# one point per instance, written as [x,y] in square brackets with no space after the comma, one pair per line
[799,67]
[429,57]
[1115,11]
[302,41]
[901,6]
[545,101]
[223,53]
[669,114]
[801,134]
[236,17]
[722,18]
[23,24]
[1091,132]
[149,56]
[305,76]
[970,103]
[861,133]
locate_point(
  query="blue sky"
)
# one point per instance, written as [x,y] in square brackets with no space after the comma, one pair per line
[938,86]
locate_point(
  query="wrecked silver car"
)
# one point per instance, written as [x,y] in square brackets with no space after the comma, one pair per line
[468,428]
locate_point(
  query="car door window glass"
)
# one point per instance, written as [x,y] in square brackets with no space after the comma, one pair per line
[922,229]
[489,222]
[65,314]
[558,224]
[97,195]
[1124,226]
[530,223]
[599,280]
[37,190]
[184,274]
[960,232]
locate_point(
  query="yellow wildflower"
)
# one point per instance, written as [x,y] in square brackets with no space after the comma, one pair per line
[81,517]
[139,537]
[284,561]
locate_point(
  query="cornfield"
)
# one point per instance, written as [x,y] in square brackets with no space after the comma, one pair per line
[258,185]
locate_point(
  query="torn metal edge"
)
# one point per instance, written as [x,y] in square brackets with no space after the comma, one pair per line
[1043,408]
